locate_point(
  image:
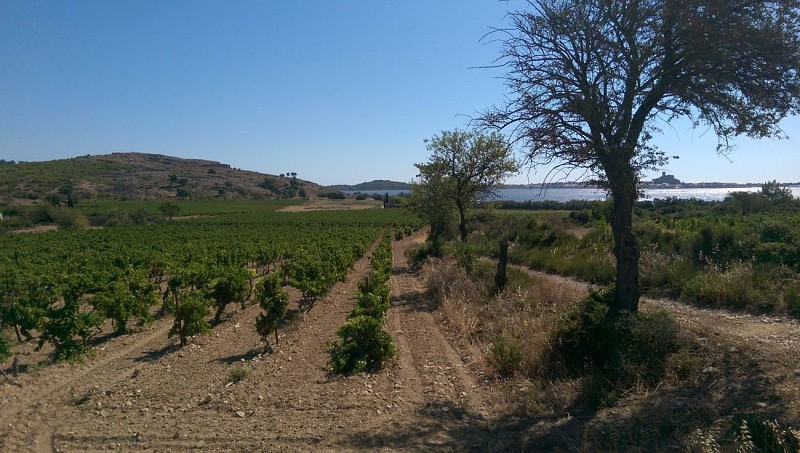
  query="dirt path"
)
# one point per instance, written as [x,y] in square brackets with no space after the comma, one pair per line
[142,393]
[749,348]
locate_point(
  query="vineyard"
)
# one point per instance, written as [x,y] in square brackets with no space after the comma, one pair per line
[59,288]
[238,326]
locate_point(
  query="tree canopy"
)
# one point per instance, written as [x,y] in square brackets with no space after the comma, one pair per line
[592,80]
[464,167]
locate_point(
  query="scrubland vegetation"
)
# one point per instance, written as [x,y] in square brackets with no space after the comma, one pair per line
[741,254]
[559,341]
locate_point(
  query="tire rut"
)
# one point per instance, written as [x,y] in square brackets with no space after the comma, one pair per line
[37,409]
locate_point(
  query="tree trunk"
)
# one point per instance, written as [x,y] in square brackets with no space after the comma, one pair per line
[626,250]
[182,333]
[462,220]
[502,263]
[218,314]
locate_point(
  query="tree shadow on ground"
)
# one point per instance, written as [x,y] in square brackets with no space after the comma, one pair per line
[657,421]
[157,354]
[414,302]
[243,357]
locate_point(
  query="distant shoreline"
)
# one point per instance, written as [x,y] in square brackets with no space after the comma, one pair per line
[369,188]
[648,185]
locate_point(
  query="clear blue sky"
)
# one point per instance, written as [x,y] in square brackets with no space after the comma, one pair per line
[338,91]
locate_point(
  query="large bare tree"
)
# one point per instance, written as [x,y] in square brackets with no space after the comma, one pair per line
[591,80]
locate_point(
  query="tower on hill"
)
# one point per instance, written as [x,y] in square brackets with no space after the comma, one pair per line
[666,179]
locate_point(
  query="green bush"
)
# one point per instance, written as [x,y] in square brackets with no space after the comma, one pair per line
[363,346]
[506,357]
[5,347]
[69,329]
[791,297]
[68,219]
[238,373]
[433,248]
[374,285]
[614,351]
[190,316]
[371,304]
[273,300]
[734,288]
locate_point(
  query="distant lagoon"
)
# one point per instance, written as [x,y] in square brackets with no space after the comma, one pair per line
[563,194]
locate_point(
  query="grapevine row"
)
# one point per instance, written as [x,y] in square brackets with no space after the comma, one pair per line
[60,287]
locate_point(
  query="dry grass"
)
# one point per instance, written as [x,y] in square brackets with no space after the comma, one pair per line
[703,383]
[511,329]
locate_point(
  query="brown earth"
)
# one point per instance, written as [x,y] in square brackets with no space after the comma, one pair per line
[141,392]
[320,204]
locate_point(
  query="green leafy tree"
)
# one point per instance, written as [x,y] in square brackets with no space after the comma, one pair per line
[273,300]
[129,294]
[430,201]
[191,311]
[69,328]
[24,300]
[169,209]
[591,80]
[464,167]
[230,286]
[773,192]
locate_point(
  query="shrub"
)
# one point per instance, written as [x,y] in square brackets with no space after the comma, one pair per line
[371,304]
[273,300]
[733,288]
[791,297]
[190,316]
[5,347]
[68,219]
[374,285]
[69,329]
[505,357]
[238,373]
[433,248]
[615,352]
[363,346]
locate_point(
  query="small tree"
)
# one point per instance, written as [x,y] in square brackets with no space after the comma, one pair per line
[465,167]
[273,300]
[169,209]
[68,328]
[773,192]
[429,200]
[129,294]
[230,286]
[191,311]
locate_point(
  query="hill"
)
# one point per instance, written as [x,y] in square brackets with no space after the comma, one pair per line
[377,184]
[143,177]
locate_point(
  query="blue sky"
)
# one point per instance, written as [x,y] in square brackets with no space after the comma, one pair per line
[338,91]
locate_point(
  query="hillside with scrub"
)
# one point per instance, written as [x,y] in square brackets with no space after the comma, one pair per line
[141,176]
